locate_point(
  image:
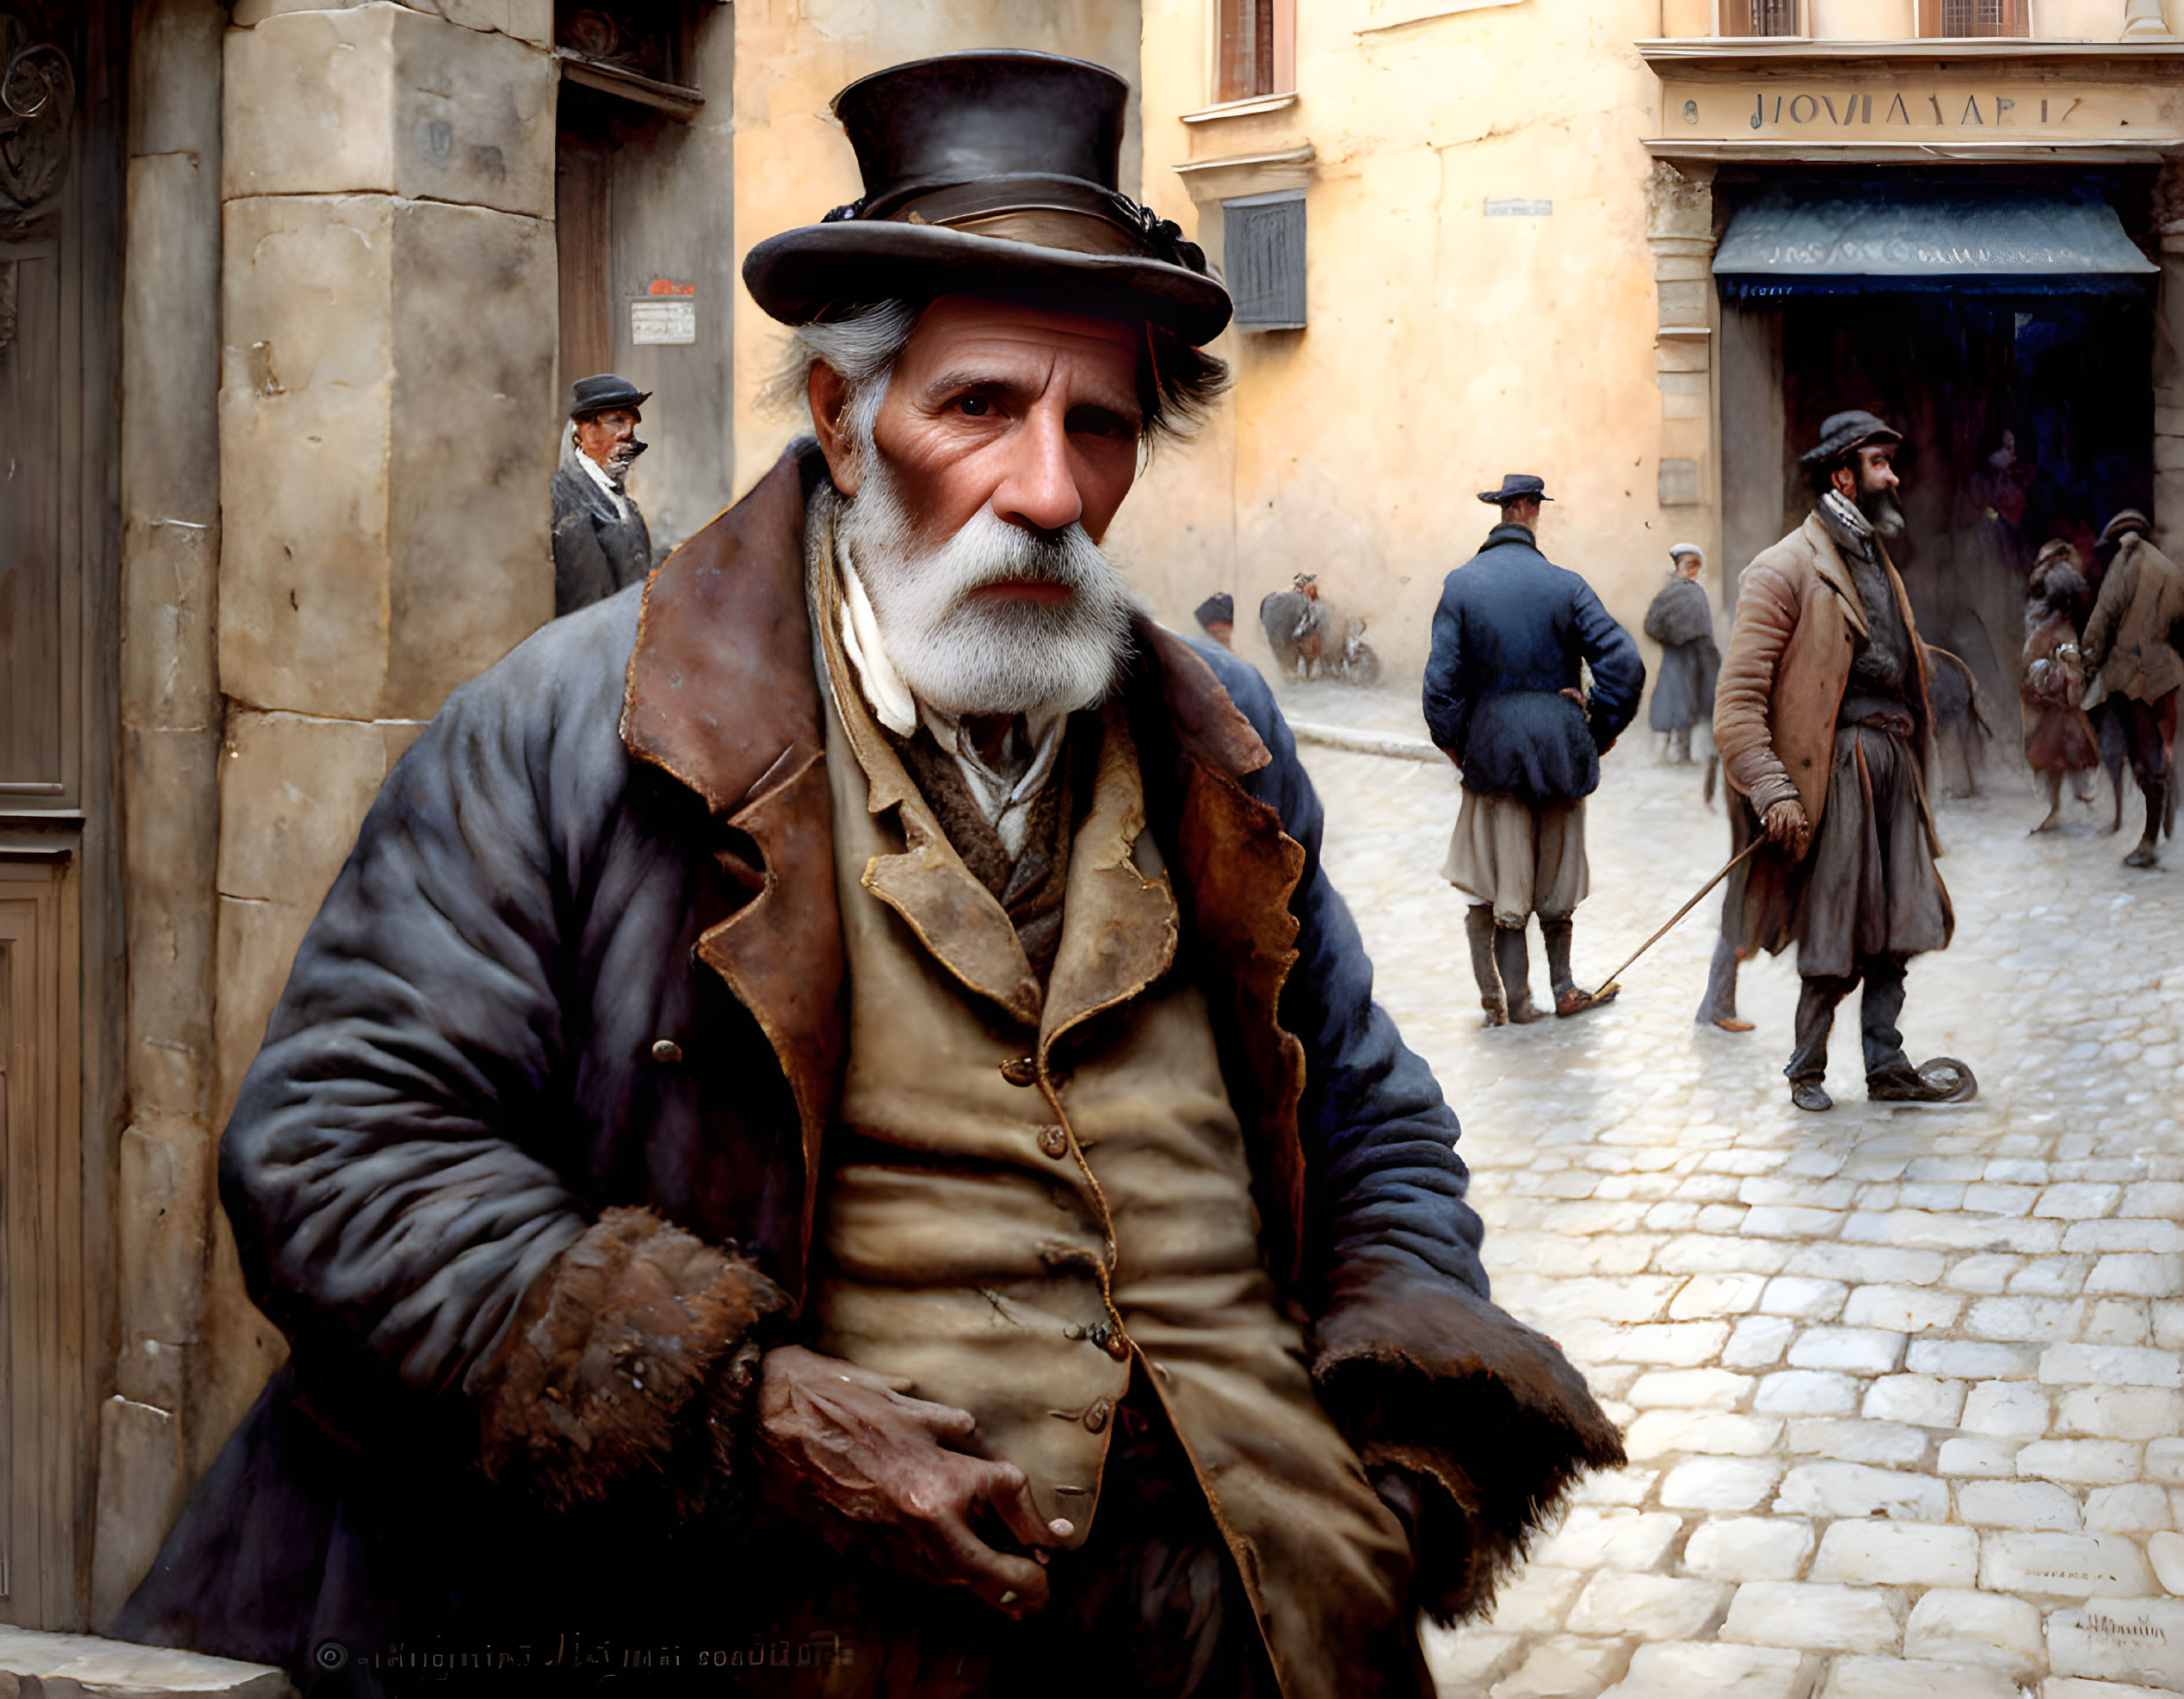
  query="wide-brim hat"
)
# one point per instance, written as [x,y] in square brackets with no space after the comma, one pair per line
[597,394]
[990,173]
[1515,486]
[1839,433]
[2130,519]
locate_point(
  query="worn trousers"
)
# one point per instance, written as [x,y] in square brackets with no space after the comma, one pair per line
[1884,1001]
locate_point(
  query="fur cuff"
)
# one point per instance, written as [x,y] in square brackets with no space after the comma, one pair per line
[1485,1414]
[637,1332]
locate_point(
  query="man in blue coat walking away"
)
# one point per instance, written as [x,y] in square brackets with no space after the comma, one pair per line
[1505,701]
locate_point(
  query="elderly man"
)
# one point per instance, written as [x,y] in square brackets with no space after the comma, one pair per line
[1504,702]
[600,544]
[1823,721]
[2131,651]
[834,1110]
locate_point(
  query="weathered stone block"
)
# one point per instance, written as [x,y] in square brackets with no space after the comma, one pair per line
[2006,1407]
[164,1191]
[1812,1616]
[1854,1490]
[1611,1539]
[82,1666]
[473,446]
[528,20]
[1658,1607]
[1682,1669]
[1876,1552]
[1748,1548]
[1719,1483]
[172,834]
[293,790]
[258,941]
[141,1486]
[2120,1413]
[385,98]
[1964,1626]
[2017,1503]
[2082,1462]
[1897,1678]
[386,408]
[2070,1565]
[2136,1640]
[1918,1399]
[306,386]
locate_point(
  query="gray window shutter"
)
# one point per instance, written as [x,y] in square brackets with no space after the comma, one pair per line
[1262,246]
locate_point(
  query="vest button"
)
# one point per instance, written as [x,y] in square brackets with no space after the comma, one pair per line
[1118,1346]
[1020,1070]
[1096,1416]
[1054,1140]
[666,1051]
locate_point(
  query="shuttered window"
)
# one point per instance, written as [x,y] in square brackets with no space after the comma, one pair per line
[1262,242]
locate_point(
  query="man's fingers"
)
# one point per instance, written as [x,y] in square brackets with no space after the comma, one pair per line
[942,1421]
[1015,1586]
[1003,1487]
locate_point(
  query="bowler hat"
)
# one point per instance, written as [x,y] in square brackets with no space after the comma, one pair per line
[988,173]
[1842,432]
[597,395]
[2130,519]
[1515,486]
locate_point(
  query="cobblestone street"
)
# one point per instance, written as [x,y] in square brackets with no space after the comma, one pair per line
[1903,1388]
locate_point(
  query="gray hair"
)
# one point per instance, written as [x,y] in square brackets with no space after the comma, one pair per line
[1177,384]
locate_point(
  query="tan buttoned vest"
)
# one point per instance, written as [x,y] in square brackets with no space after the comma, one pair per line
[1029,1189]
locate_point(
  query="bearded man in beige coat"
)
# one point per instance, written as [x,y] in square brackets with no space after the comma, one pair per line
[1823,721]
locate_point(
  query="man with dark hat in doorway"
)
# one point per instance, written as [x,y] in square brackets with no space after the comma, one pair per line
[2131,655]
[1504,701]
[1822,722]
[600,544]
[834,1104]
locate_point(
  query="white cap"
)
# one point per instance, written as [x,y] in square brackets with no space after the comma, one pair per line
[1676,549]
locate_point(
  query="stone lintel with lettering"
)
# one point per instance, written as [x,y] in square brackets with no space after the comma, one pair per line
[1986,110]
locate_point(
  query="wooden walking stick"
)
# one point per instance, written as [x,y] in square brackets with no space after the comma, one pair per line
[1727,868]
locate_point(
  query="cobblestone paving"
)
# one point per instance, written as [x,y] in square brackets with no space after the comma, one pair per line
[1903,1387]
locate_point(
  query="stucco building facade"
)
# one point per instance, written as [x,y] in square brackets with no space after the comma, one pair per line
[1511,217]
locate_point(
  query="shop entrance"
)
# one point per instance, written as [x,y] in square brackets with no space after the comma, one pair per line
[2027,414]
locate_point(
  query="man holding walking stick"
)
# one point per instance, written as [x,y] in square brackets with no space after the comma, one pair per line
[1821,717]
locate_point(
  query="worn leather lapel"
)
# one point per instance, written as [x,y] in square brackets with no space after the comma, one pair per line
[1117,925]
[1828,562]
[1237,871]
[721,695]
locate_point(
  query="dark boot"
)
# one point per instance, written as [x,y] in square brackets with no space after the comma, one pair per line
[1568,999]
[1513,956]
[1478,931]
[2155,792]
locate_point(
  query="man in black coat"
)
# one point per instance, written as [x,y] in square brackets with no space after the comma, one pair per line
[741,1158]
[600,544]
[1504,701]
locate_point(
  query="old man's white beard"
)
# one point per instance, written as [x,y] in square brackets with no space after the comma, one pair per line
[963,653]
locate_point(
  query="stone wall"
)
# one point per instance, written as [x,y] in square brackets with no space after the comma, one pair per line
[341,332]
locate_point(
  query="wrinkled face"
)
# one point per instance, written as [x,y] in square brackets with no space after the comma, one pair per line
[976,493]
[610,438]
[1874,474]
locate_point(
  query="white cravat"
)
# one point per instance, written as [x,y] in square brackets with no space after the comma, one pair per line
[598,477]
[1005,794]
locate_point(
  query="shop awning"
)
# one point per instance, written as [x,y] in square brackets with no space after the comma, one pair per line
[1847,239]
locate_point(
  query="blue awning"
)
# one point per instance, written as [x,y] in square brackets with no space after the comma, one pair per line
[1847,239]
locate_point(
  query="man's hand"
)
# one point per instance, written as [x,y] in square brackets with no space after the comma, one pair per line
[847,1452]
[1787,825]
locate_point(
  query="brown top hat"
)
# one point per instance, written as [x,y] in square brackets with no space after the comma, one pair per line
[990,173]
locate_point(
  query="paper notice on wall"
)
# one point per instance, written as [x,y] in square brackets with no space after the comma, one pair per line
[657,319]
[1519,209]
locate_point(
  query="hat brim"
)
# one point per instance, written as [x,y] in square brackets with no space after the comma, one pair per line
[1884,437]
[1504,497]
[634,397]
[797,276]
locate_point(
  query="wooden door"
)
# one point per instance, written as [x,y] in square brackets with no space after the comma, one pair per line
[62,73]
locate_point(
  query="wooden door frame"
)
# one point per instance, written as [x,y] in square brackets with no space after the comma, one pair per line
[61,857]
